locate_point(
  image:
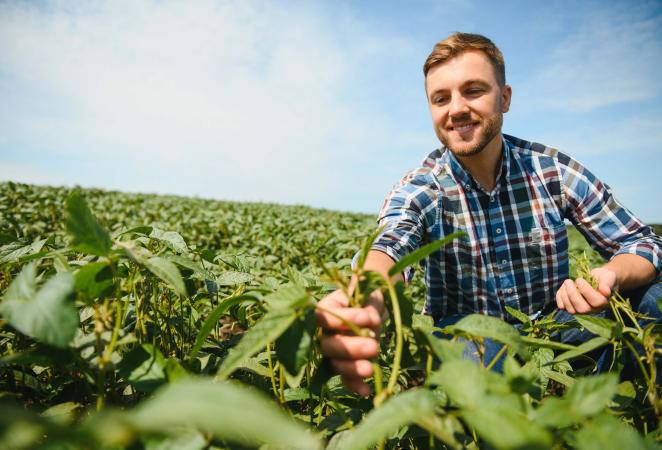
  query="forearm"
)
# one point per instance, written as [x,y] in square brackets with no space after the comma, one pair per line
[381,263]
[632,271]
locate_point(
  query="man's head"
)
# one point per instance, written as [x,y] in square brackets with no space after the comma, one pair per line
[457,43]
[467,94]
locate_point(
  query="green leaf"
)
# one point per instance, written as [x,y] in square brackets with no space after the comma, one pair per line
[590,395]
[199,272]
[445,349]
[46,315]
[227,411]
[288,297]
[422,253]
[492,328]
[172,239]
[142,229]
[63,413]
[395,413]
[608,432]
[87,235]
[94,279]
[504,427]
[184,440]
[597,325]
[167,272]
[464,382]
[143,367]
[519,315]
[293,346]
[230,278]
[266,330]
[559,377]
[546,343]
[557,413]
[14,251]
[212,320]
[583,348]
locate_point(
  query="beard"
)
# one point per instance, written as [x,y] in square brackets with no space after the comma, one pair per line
[491,127]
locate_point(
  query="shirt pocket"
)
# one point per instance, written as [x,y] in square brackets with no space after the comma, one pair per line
[546,248]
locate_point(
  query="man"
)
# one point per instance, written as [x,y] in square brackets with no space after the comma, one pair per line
[510,197]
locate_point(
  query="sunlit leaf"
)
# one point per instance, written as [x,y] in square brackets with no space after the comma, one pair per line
[590,395]
[167,272]
[463,381]
[597,325]
[582,349]
[401,410]
[47,314]
[608,432]
[227,411]
[172,239]
[490,327]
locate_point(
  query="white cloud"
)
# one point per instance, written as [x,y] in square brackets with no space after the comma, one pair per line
[246,100]
[611,58]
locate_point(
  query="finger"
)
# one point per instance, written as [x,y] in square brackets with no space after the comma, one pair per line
[559,299]
[357,385]
[606,280]
[563,296]
[349,347]
[376,302]
[593,297]
[579,304]
[336,318]
[356,369]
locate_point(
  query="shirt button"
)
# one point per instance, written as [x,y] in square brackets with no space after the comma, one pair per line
[504,261]
[493,199]
[509,291]
[498,230]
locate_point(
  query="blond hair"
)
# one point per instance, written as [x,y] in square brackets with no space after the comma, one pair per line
[457,43]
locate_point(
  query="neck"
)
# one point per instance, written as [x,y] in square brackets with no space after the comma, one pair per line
[484,166]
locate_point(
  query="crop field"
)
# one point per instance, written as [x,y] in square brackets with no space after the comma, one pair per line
[133,321]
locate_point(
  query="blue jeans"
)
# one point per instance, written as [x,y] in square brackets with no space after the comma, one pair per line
[643,300]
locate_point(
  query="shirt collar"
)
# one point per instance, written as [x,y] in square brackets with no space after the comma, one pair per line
[466,180]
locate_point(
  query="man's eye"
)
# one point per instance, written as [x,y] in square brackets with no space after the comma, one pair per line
[439,100]
[474,91]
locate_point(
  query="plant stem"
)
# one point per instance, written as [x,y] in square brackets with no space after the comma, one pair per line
[397,356]
[281,383]
[496,358]
[271,372]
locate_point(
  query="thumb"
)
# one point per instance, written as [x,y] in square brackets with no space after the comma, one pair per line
[604,288]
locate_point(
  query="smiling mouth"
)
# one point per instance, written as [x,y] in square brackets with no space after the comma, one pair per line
[463,128]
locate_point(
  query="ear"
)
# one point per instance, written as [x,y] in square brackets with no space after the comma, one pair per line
[506,96]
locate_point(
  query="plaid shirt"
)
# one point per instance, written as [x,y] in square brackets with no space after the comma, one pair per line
[515,251]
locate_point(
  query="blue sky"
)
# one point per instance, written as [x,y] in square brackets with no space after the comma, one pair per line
[317,103]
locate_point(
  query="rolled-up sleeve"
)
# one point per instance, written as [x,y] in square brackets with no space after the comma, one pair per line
[608,226]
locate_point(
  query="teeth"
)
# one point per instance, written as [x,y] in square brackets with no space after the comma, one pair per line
[463,128]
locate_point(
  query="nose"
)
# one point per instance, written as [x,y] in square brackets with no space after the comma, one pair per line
[458,106]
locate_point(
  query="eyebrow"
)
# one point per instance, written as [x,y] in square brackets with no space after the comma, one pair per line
[473,81]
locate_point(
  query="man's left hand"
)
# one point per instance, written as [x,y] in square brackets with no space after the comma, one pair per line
[579,297]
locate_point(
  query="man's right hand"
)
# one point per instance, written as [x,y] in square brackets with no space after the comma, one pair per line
[350,354]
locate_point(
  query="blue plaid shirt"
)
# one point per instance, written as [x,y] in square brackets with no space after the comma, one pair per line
[515,251]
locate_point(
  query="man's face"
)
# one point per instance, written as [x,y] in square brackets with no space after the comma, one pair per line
[467,103]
